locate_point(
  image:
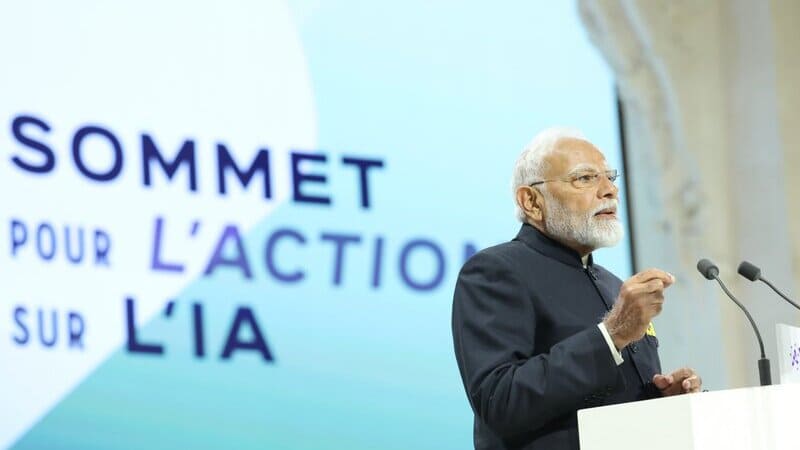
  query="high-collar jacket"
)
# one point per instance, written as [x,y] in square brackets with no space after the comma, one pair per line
[530,353]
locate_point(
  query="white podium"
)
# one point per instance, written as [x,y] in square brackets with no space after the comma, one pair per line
[762,418]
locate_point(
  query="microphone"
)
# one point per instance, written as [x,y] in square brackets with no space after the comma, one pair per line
[709,270]
[753,273]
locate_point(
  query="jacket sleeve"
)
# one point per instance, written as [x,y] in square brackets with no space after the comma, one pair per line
[494,330]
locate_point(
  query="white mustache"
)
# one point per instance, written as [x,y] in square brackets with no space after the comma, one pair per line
[609,204]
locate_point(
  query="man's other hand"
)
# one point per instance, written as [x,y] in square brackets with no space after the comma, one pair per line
[682,381]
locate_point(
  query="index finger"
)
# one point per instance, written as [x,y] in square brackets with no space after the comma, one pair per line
[683,373]
[652,274]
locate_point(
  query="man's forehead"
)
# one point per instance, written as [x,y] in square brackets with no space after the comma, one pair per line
[572,154]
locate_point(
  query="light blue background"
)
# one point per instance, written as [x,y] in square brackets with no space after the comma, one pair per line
[447,93]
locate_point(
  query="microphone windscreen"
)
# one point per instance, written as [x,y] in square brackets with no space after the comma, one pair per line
[749,271]
[707,268]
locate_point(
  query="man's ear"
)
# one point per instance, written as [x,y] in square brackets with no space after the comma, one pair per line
[531,201]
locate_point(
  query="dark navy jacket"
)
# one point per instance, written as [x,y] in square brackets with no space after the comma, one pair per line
[525,317]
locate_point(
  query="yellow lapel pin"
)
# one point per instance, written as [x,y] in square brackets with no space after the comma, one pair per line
[651,330]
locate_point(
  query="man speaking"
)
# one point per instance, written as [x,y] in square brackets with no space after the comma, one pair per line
[540,330]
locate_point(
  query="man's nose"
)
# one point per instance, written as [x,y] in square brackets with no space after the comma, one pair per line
[607,189]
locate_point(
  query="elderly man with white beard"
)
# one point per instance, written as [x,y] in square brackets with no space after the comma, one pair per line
[540,330]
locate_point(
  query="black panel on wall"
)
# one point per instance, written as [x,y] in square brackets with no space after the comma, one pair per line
[627,180]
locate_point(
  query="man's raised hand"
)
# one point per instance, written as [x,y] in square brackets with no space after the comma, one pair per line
[640,299]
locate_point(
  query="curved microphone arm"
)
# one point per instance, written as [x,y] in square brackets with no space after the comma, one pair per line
[779,292]
[747,313]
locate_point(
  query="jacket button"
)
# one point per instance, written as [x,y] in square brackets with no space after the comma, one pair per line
[634,348]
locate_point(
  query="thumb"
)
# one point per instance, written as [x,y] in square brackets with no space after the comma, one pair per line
[661,381]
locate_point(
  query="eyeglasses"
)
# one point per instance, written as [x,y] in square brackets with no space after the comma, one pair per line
[585,179]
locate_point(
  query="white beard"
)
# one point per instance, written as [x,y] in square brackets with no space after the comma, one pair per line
[585,229]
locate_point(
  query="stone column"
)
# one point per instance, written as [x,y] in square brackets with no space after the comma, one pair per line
[699,84]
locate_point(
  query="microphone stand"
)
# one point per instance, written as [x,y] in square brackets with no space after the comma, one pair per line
[764,372]
[779,292]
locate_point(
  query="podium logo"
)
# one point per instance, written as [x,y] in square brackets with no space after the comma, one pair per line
[794,353]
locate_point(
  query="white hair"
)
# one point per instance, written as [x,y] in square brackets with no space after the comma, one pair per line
[531,165]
